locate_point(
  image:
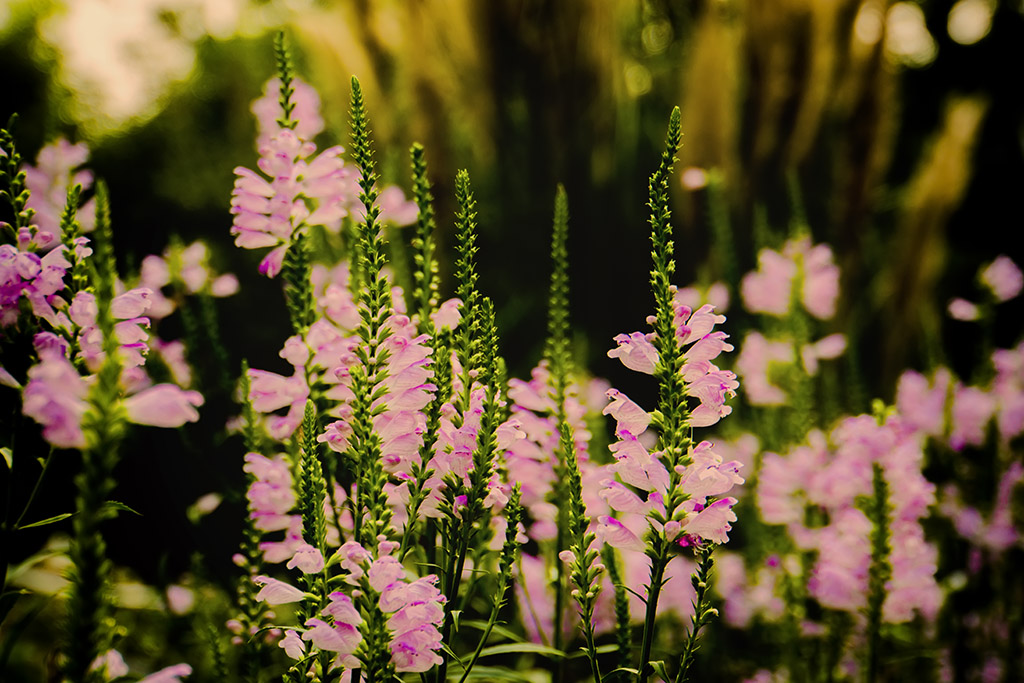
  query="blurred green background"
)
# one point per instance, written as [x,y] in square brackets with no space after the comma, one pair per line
[892,131]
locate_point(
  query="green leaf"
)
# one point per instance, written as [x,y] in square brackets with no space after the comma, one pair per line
[523,648]
[601,649]
[659,668]
[493,673]
[48,520]
[7,601]
[8,457]
[120,507]
[455,658]
[480,625]
[456,615]
[611,675]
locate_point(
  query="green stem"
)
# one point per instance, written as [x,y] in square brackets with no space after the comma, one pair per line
[658,564]
[35,489]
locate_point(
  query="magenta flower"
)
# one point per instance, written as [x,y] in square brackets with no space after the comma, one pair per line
[712,523]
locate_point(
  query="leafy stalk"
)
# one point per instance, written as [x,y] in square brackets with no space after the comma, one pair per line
[12,179]
[91,624]
[374,305]
[674,438]
[623,630]
[425,276]
[585,572]
[509,553]
[881,568]
[252,613]
[702,610]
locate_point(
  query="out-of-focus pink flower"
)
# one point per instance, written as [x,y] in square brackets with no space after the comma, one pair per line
[163,405]
[821,279]
[48,183]
[827,348]
[180,599]
[1003,277]
[962,309]
[753,365]
[170,674]
[306,113]
[110,665]
[973,408]
[769,288]
[923,404]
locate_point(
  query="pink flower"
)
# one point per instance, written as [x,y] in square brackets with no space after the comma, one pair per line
[1004,278]
[55,397]
[821,279]
[712,523]
[962,309]
[973,408]
[171,674]
[292,645]
[628,416]
[754,364]
[768,289]
[48,183]
[636,352]
[276,592]
[613,532]
[163,405]
[827,348]
[306,113]
[308,559]
[922,404]
[110,665]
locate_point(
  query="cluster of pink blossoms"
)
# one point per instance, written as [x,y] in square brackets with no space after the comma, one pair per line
[415,609]
[1003,281]
[301,190]
[706,476]
[830,481]
[55,394]
[770,290]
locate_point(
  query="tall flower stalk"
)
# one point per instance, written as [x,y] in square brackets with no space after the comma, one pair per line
[91,623]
